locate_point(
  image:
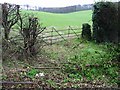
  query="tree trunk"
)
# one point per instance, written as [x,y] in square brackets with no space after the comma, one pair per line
[7,33]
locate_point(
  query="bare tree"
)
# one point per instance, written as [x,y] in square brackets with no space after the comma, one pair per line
[10,16]
[30,29]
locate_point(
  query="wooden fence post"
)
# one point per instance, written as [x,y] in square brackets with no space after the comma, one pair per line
[0,14]
[68,31]
[0,44]
[52,35]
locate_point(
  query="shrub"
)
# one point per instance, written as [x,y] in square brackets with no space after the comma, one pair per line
[30,29]
[86,31]
[105,22]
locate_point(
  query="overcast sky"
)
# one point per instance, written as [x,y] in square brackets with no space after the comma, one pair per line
[51,3]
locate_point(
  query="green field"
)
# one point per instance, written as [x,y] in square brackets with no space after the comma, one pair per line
[75,19]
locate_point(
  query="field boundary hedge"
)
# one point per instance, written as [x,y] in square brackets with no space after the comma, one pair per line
[105,22]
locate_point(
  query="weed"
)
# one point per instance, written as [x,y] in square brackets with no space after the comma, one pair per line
[31,73]
[92,61]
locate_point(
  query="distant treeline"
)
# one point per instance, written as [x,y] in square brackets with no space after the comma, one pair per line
[67,9]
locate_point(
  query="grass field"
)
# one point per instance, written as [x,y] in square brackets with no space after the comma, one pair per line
[75,19]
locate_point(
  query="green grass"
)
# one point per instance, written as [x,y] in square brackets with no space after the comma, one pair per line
[79,54]
[75,19]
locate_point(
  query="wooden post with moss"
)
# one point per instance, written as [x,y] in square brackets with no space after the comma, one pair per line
[86,31]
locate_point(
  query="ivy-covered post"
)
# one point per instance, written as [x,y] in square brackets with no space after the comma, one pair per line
[86,31]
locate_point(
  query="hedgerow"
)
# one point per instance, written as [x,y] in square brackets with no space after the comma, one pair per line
[105,22]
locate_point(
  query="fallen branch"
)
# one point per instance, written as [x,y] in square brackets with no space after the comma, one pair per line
[47,68]
[11,82]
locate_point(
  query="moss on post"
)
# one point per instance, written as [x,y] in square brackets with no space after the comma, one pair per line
[86,31]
